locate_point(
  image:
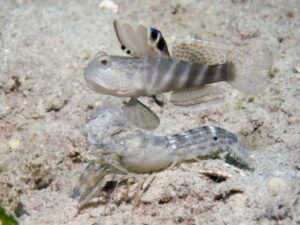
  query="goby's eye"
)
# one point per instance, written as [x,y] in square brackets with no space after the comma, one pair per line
[103,58]
[103,61]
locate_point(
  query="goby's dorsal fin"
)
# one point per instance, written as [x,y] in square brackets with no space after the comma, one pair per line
[141,41]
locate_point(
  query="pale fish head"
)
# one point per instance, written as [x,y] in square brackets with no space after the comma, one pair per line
[110,75]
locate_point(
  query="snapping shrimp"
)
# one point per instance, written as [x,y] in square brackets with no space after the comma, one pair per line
[136,156]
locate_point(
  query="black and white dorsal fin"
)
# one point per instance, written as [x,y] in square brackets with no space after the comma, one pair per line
[200,51]
[141,41]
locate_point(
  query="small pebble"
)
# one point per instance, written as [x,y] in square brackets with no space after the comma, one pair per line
[277,186]
[173,194]
[109,5]
[12,84]
[55,103]
[264,221]
[14,143]
[179,215]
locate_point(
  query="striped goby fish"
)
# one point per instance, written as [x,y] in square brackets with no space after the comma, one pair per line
[194,65]
[132,156]
[146,76]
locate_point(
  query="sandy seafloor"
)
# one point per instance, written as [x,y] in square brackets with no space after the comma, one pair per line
[45,103]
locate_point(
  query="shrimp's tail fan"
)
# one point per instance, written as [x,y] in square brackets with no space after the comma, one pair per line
[249,67]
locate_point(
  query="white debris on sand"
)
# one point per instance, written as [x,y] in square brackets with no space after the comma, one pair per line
[110,5]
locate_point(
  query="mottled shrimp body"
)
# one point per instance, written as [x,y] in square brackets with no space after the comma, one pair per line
[146,153]
[150,153]
[140,154]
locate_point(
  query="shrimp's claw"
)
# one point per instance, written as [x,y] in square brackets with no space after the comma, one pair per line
[90,183]
[93,179]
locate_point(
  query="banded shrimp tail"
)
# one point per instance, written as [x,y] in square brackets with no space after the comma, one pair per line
[134,158]
[209,142]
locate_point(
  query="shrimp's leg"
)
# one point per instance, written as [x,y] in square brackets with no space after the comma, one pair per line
[116,166]
[142,189]
[128,185]
[139,193]
[96,190]
[111,196]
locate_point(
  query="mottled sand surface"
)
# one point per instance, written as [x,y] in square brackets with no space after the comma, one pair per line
[45,104]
